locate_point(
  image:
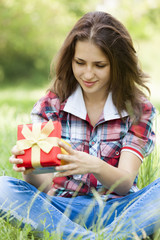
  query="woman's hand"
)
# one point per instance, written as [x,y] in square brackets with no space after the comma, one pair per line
[13,160]
[81,163]
[77,162]
[43,182]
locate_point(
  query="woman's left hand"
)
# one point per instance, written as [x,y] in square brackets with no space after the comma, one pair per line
[78,162]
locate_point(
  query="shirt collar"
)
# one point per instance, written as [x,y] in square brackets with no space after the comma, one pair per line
[110,111]
[76,106]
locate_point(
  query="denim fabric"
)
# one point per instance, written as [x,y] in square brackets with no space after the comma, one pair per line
[114,218]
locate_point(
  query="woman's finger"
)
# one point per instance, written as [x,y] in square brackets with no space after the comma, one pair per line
[16,151]
[66,158]
[66,173]
[66,167]
[22,169]
[66,147]
[18,169]
[15,160]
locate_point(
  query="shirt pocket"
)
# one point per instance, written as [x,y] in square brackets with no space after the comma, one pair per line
[77,145]
[110,152]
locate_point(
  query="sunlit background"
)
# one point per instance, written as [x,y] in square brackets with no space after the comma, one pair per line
[31,32]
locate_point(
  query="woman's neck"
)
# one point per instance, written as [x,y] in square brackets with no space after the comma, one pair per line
[94,106]
[95,99]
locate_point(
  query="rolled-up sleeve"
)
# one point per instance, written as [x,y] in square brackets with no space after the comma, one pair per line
[140,138]
[38,113]
[46,108]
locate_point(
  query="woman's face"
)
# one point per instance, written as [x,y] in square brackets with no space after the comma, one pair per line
[91,68]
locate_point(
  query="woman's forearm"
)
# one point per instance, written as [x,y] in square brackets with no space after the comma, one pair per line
[121,178]
[41,181]
[112,177]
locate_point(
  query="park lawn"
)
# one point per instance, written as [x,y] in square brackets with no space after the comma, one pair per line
[15,106]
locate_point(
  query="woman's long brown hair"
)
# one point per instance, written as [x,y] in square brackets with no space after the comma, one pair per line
[127,82]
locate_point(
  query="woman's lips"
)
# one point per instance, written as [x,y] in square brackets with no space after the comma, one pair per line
[89,84]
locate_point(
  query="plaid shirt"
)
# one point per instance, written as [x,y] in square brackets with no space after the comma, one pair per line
[106,140]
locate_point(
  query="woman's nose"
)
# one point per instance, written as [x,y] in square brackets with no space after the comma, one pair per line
[89,74]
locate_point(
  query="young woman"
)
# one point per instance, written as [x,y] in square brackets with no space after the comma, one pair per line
[98,96]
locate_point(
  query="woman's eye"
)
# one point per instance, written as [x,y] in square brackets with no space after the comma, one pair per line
[100,66]
[79,63]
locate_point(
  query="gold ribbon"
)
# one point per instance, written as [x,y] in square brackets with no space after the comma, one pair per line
[37,139]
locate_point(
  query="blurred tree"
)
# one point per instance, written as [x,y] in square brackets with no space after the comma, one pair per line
[142,18]
[31,31]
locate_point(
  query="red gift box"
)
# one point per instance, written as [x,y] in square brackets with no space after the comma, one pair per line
[40,143]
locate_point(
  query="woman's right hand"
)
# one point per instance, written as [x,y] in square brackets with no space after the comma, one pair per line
[14,160]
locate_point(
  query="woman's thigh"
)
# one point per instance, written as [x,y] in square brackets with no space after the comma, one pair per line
[121,217]
[29,205]
[24,199]
[138,212]
[23,203]
[89,211]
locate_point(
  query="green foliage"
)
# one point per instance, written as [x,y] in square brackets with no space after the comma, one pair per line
[31,34]
[32,31]
[142,18]
[78,8]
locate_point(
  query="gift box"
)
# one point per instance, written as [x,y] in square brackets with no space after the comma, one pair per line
[40,143]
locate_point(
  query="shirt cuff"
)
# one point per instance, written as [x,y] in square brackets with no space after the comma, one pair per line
[133,150]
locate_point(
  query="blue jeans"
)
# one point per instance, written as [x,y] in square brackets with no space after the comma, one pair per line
[117,218]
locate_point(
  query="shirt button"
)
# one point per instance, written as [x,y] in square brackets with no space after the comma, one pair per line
[117,153]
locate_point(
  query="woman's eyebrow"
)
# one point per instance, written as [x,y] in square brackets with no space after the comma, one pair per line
[101,61]
[79,59]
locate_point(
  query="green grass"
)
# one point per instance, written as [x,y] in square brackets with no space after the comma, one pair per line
[15,106]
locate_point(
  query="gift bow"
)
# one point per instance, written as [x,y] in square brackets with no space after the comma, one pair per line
[37,139]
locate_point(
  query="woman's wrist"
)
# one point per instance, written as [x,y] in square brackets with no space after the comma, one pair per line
[97,169]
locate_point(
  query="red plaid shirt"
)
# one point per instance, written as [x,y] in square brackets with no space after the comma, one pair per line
[106,140]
